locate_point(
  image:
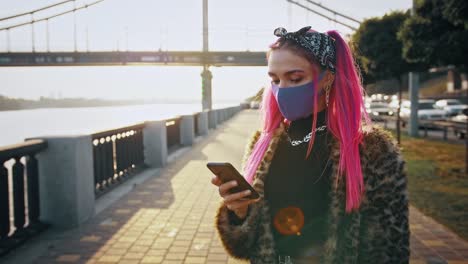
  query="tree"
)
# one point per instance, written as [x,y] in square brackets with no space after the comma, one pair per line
[379,51]
[257,97]
[437,34]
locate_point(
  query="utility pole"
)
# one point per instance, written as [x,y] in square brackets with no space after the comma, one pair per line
[465,112]
[413,79]
[206,73]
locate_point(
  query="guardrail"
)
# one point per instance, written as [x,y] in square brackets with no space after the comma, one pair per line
[459,129]
[196,118]
[173,132]
[73,171]
[23,199]
[117,153]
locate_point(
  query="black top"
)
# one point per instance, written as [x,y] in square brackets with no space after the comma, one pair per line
[293,181]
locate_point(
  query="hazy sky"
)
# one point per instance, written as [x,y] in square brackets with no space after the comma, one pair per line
[154,24]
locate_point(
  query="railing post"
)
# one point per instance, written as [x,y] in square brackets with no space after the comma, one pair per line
[223,117]
[186,130]
[155,143]
[4,201]
[203,123]
[212,118]
[66,182]
[33,188]
[18,194]
[218,116]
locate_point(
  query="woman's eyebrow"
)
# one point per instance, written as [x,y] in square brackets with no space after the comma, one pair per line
[288,72]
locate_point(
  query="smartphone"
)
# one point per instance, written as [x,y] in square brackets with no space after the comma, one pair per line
[226,172]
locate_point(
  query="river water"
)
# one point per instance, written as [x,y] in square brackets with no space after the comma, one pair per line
[15,126]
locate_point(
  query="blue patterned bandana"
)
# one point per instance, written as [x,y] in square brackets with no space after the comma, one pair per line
[320,44]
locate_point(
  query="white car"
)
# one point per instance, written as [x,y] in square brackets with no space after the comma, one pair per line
[426,111]
[378,109]
[459,128]
[453,107]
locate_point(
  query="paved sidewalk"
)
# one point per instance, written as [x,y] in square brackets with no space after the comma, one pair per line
[432,242]
[170,218]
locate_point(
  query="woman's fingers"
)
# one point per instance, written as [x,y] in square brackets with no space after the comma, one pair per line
[236,200]
[216,180]
[235,196]
[240,204]
[224,188]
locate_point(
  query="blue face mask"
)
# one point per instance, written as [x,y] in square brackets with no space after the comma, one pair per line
[297,101]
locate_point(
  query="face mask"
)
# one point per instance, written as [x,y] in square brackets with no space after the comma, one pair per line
[297,101]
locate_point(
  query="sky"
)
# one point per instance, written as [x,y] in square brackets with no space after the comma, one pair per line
[155,24]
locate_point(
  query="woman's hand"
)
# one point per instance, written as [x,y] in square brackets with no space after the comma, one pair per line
[234,201]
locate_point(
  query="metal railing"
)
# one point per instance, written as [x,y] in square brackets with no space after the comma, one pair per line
[195,124]
[19,193]
[458,128]
[117,154]
[173,133]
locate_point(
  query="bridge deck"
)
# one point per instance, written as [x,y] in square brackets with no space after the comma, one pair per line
[170,218]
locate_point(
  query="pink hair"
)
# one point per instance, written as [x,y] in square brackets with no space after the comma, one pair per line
[345,116]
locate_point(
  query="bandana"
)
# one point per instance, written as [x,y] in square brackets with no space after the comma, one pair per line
[321,45]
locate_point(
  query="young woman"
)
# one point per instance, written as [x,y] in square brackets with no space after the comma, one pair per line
[332,186]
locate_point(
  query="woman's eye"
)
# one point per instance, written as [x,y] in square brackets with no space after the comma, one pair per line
[292,80]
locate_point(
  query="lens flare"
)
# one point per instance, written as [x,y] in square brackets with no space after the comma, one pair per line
[289,220]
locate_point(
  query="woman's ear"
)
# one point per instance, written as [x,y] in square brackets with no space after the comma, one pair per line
[328,79]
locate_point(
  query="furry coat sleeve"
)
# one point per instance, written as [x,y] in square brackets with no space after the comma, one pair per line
[238,236]
[384,234]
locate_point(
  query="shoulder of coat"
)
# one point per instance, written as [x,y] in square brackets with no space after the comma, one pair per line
[378,141]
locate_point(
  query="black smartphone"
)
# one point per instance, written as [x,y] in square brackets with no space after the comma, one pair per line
[226,172]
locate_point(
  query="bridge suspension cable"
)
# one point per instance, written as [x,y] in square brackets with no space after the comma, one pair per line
[333,11]
[33,21]
[322,15]
[52,16]
[36,10]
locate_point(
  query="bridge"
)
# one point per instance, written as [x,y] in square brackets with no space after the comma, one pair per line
[169,58]
[204,58]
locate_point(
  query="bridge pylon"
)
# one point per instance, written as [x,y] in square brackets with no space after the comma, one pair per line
[207,76]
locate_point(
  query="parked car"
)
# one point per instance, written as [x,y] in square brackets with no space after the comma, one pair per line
[405,110]
[460,121]
[393,104]
[453,107]
[426,111]
[378,109]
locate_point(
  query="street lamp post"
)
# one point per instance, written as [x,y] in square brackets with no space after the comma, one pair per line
[465,112]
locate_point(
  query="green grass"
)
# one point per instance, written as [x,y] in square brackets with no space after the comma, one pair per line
[435,86]
[437,183]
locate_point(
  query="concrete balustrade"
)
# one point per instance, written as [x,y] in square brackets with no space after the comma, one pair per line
[66,185]
[187,130]
[67,182]
[212,119]
[202,123]
[155,143]
[218,116]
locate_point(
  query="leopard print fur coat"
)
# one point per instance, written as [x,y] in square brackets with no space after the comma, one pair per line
[376,233]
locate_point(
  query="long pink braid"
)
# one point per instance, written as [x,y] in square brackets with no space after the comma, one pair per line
[344,118]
